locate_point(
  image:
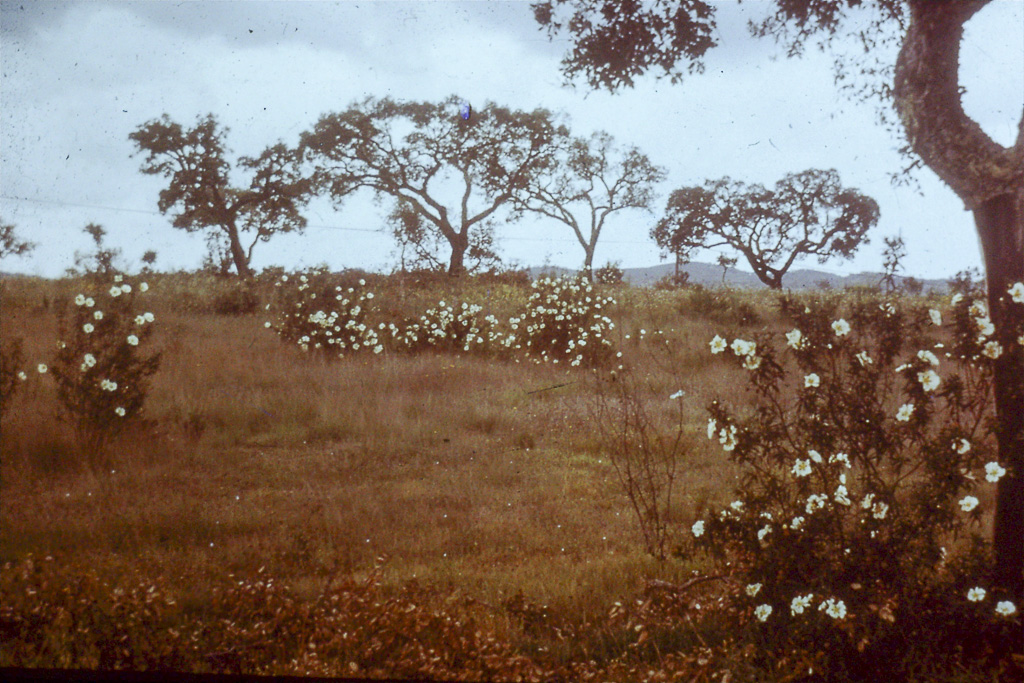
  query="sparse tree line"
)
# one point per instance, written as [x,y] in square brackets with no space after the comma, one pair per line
[450,179]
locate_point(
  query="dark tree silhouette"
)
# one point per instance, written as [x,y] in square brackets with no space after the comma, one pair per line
[200,192]
[613,43]
[592,180]
[423,153]
[10,244]
[807,214]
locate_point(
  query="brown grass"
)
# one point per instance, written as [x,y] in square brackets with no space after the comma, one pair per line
[467,475]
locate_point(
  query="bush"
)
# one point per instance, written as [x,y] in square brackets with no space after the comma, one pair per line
[102,377]
[10,375]
[721,306]
[316,312]
[452,327]
[564,320]
[859,492]
[609,274]
[235,298]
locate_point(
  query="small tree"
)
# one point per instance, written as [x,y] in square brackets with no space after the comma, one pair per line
[422,153]
[592,180]
[892,262]
[10,245]
[807,214]
[726,262]
[202,196]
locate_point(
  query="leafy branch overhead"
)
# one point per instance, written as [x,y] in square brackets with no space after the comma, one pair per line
[806,214]
[200,193]
[424,153]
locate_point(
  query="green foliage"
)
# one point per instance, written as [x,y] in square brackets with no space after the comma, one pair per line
[858,492]
[102,376]
[316,311]
[726,307]
[565,320]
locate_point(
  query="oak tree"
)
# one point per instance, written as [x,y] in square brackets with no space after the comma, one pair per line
[614,43]
[454,172]
[592,179]
[806,214]
[202,197]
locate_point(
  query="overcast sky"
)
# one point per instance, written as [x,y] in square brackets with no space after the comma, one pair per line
[78,77]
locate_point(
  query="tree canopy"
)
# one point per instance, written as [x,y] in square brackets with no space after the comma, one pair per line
[454,172]
[612,43]
[10,243]
[200,192]
[806,214]
[592,179]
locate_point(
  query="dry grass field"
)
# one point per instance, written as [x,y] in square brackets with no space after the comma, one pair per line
[478,484]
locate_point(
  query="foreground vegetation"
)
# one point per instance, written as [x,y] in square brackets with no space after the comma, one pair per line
[407,512]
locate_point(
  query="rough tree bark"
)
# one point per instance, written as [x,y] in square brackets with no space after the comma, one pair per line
[989,178]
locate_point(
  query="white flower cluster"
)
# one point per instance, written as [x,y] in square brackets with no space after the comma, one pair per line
[564,320]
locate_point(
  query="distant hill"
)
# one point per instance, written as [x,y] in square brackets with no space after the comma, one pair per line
[710,275]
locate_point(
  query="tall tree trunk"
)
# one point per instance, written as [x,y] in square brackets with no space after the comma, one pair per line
[989,178]
[1000,225]
[588,263]
[457,264]
[238,253]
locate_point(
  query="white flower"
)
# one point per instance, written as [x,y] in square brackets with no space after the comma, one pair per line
[698,528]
[120,411]
[815,501]
[80,300]
[763,612]
[928,379]
[795,339]
[985,327]
[800,603]
[841,327]
[1017,292]
[796,523]
[712,426]
[98,315]
[834,608]
[802,468]
[140,320]
[864,359]
[841,496]
[126,288]
[866,503]
[761,533]
[905,411]
[22,376]
[928,357]
[994,472]
[815,456]
[149,317]
[753,589]
[812,380]
[118,278]
[956,298]
[88,328]
[1004,607]
[968,503]
[42,368]
[936,316]
[115,291]
[841,457]
[89,360]
[727,437]
[743,348]
[978,309]
[993,350]
[879,510]
[678,394]
[143,287]
[976,594]
[752,362]
[133,340]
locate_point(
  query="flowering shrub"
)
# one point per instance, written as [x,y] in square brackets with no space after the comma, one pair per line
[861,468]
[453,327]
[564,320]
[315,312]
[102,377]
